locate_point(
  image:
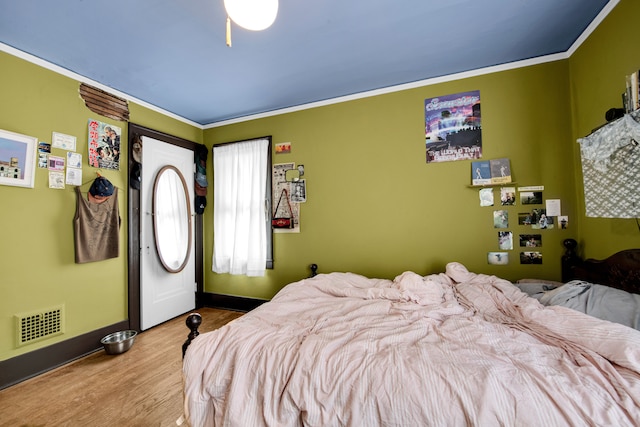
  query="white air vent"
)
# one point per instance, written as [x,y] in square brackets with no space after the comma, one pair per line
[36,326]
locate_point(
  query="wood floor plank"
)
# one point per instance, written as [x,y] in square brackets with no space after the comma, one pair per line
[142,387]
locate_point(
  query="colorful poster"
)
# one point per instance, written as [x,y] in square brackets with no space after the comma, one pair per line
[104,145]
[453,127]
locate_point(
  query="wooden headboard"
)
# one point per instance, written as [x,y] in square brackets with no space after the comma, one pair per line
[621,270]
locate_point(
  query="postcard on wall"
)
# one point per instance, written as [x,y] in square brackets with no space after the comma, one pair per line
[44,147]
[104,145]
[480,172]
[74,176]
[74,160]
[498,258]
[500,171]
[56,163]
[66,142]
[453,127]
[56,179]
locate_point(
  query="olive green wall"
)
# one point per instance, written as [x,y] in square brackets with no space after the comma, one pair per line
[376,207]
[598,71]
[37,252]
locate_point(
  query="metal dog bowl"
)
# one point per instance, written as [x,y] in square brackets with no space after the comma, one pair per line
[118,342]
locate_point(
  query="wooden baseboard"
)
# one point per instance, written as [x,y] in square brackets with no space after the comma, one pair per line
[28,365]
[229,302]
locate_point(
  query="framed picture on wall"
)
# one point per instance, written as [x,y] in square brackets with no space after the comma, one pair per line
[17,159]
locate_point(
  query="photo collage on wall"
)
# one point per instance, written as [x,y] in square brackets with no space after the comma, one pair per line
[533,212]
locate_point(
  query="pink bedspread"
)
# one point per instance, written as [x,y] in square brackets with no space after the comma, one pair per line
[454,349]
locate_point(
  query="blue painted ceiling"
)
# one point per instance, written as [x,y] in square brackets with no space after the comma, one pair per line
[172,53]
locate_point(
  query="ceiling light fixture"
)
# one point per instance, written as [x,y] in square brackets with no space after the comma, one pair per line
[254,15]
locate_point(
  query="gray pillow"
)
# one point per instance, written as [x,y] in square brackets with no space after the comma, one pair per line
[536,288]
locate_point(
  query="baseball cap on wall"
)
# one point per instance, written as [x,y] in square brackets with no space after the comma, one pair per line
[201,179]
[200,190]
[100,190]
[200,204]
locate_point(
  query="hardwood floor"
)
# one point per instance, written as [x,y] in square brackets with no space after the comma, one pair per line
[142,387]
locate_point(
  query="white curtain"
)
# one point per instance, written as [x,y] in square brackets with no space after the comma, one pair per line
[239,213]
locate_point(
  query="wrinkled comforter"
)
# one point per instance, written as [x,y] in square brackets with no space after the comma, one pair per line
[453,349]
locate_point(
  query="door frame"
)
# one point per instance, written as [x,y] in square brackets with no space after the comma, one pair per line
[133,212]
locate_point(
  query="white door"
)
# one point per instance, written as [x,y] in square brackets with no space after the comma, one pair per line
[163,295]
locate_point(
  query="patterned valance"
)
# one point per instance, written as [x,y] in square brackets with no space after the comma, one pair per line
[611,169]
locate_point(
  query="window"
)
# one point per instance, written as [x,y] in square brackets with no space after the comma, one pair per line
[242,237]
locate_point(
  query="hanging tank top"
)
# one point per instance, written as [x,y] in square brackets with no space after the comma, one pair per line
[96,229]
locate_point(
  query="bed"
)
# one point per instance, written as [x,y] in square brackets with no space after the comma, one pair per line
[450,349]
[607,289]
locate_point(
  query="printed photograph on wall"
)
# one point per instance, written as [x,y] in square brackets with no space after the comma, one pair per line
[453,127]
[531,197]
[299,191]
[564,222]
[505,240]
[43,154]
[537,219]
[500,219]
[104,145]
[524,218]
[283,148]
[17,159]
[542,221]
[533,257]
[530,240]
[508,196]
[498,258]
[486,196]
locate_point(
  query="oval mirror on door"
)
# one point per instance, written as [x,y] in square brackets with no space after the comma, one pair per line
[172,219]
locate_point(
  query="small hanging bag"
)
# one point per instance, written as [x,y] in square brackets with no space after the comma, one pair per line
[283,222]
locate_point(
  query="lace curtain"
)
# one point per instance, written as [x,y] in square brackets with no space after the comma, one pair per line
[611,169]
[239,214]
